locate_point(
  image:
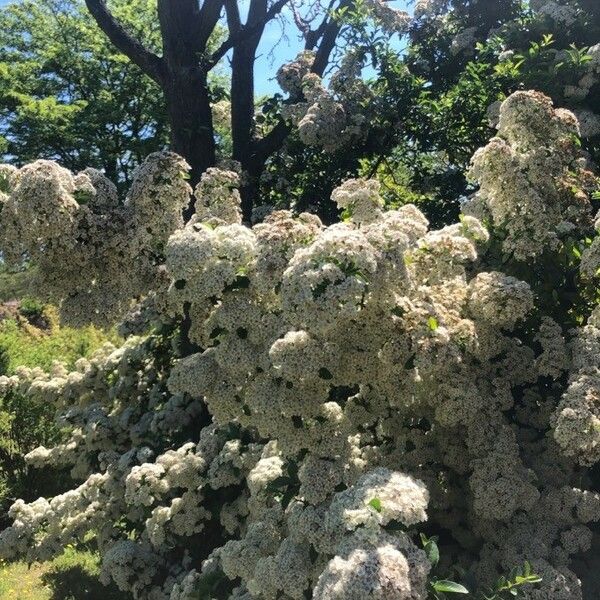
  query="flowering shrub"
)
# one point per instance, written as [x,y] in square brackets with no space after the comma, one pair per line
[348,386]
[93,252]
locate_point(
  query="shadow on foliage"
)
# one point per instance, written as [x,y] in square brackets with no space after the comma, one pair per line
[4,361]
[75,583]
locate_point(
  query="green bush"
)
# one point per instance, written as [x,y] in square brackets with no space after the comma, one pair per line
[25,423]
[13,285]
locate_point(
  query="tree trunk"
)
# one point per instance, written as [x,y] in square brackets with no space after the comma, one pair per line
[190,117]
[242,104]
[242,124]
[185,83]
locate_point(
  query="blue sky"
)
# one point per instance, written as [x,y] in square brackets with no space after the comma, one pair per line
[275,49]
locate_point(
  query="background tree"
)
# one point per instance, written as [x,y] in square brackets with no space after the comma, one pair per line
[186,60]
[67,94]
[469,56]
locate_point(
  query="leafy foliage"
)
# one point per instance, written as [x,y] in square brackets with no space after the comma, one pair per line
[67,94]
[25,422]
[512,586]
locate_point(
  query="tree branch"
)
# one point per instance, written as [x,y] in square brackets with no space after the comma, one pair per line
[272,141]
[234,21]
[245,32]
[301,24]
[327,32]
[209,16]
[312,36]
[127,44]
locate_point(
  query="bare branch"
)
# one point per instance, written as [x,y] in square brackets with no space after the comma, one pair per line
[146,60]
[301,24]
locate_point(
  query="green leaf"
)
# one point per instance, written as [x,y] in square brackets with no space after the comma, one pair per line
[431,549]
[432,323]
[443,585]
[376,504]
[4,184]
[82,196]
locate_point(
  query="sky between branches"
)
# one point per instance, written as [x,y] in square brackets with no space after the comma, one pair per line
[277,47]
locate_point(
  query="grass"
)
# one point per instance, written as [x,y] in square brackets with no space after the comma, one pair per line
[71,576]
[18,582]
[28,343]
[30,336]
[22,344]
[74,574]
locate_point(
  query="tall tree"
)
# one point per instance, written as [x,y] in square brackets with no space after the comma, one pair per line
[66,93]
[185,61]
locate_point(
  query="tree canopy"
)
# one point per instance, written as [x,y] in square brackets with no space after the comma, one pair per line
[66,93]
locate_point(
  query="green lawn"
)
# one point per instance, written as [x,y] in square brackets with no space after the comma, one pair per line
[40,348]
[72,576]
[17,582]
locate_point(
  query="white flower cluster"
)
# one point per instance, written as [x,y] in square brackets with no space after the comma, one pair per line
[429,8]
[360,198]
[576,420]
[217,196]
[290,75]
[350,382]
[93,252]
[221,113]
[328,119]
[589,123]
[387,568]
[464,40]
[533,158]
[390,19]
[563,14]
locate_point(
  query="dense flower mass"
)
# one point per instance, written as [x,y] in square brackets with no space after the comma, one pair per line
[93,252]
[345,385]
[518,162]
[328,118]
